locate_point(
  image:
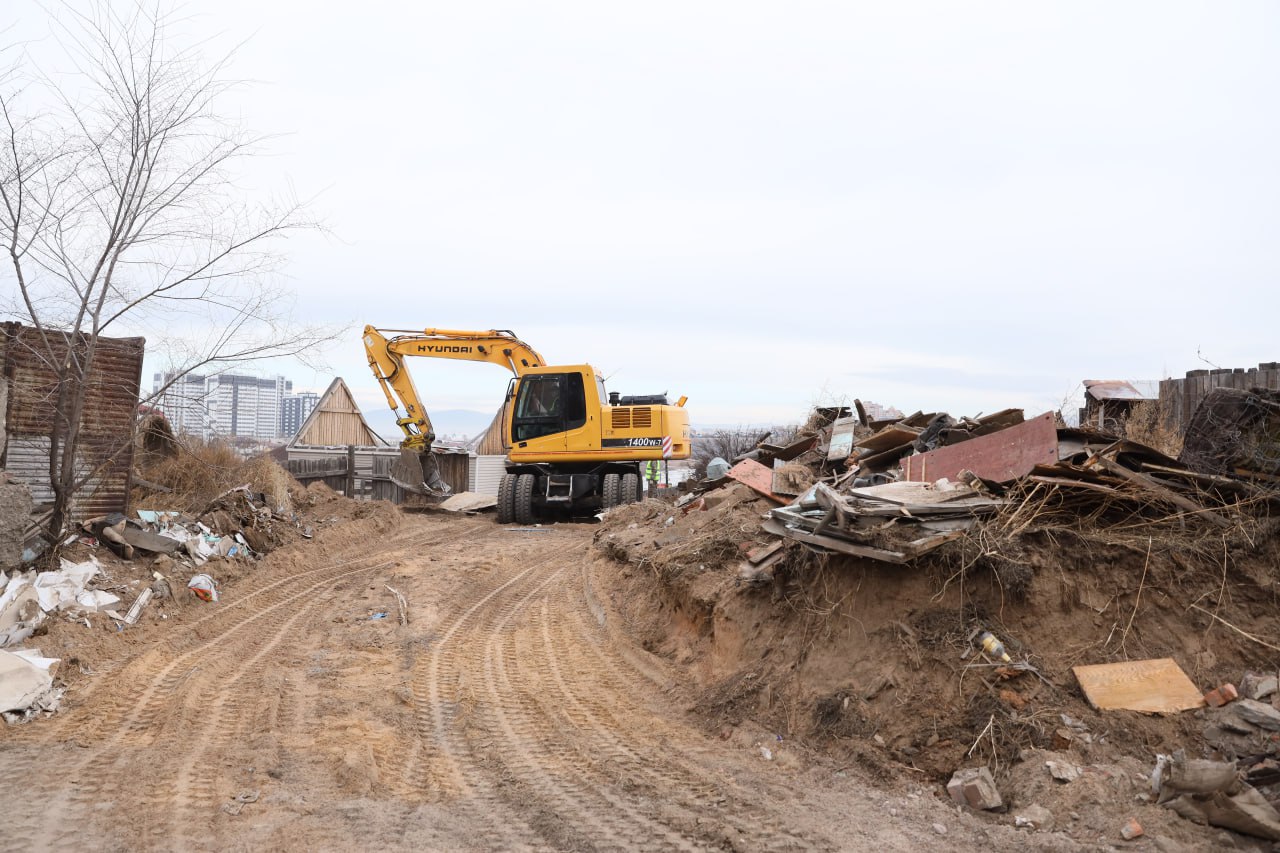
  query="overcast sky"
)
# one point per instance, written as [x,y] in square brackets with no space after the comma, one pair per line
[939,206]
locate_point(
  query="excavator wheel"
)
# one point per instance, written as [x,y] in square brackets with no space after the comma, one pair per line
[507,499]
[612,490]
[630,488]
[524,498]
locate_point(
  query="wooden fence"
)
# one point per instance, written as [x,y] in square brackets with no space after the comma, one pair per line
[365,473]
[1180,397]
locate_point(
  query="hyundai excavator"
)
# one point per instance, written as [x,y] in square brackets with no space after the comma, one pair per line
[573,448]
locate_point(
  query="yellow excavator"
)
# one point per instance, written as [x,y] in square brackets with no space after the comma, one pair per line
[573,448]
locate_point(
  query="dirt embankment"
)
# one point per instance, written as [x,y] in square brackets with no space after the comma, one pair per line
[877,663]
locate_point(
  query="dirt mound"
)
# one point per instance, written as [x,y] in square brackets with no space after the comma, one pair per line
[879,663]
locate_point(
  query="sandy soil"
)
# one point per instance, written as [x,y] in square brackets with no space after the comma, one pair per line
[513,711]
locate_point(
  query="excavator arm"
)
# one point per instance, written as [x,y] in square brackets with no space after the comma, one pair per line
[386,360]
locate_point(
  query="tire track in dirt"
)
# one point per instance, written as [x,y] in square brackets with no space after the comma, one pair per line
[227,708]
[194,798]
[439,764]
[655,757]
[128,716]
[545,766]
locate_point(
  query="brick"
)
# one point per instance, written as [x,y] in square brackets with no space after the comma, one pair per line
[974,787]
[1221,695]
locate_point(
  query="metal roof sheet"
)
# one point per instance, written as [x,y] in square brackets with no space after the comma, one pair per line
[1122,389]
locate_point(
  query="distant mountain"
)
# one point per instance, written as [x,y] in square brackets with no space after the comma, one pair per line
[460,422]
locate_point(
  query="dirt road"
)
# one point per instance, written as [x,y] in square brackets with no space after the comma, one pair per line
[510,712]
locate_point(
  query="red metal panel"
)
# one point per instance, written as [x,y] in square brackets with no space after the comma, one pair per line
[1000,456]
[751,473]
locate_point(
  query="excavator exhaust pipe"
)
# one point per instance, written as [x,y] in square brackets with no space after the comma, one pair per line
[419,473]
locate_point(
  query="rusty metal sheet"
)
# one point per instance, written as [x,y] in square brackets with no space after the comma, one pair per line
[1120,389]
[106,442]
[1000,456]
[759,478]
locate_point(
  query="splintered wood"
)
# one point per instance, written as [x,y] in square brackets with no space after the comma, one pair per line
[1151,686]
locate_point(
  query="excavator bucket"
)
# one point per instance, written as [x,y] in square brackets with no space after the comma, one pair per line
[420,474]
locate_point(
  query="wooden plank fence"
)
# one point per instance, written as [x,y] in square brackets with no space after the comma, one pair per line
[368,476]
[1180,397]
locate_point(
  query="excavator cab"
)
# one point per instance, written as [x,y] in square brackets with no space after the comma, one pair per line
[547,404]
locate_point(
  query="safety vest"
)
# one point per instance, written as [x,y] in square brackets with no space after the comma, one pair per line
[651,471]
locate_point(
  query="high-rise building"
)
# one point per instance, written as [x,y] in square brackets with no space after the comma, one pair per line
[226,405]
[247,406]
[183,402]
[294,409]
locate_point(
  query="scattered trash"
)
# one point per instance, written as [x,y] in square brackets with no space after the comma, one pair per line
[993,647]
[241,800]
[20,610]
[1212,792]
[402,603]
[67,589]
[204,588]
[131,618]
[1150,686]
[717,468]
[1131,829]
[381,614]
[26,685]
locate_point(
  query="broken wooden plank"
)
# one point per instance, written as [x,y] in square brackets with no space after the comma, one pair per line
[1168,494]
[910,492]
[777,528]
[926,544]
[1157,686]
[892,436]
[758,555]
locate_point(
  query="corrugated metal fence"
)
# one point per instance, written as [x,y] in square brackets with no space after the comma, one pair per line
[106,437]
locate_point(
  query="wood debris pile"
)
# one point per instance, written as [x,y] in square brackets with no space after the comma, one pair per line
[895,490]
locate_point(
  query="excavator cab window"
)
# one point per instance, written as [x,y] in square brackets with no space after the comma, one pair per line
[548,404]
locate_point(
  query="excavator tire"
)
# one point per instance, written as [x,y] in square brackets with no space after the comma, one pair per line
[612,490]
[507,499]
[524,498]
[630,488]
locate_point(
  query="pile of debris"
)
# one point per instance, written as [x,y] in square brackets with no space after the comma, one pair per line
[112,567]
[1039,649]
[896,490]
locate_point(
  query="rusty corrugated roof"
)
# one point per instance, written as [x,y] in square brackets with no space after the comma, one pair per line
[1122,389]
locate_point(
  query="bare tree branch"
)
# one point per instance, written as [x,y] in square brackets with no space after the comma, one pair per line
[119,209]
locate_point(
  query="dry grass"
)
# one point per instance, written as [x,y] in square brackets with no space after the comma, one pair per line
[202,470]
[1152,422]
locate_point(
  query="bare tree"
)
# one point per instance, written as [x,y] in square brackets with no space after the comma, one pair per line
[120,212]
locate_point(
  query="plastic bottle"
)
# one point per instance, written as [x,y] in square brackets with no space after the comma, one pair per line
[993,647]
